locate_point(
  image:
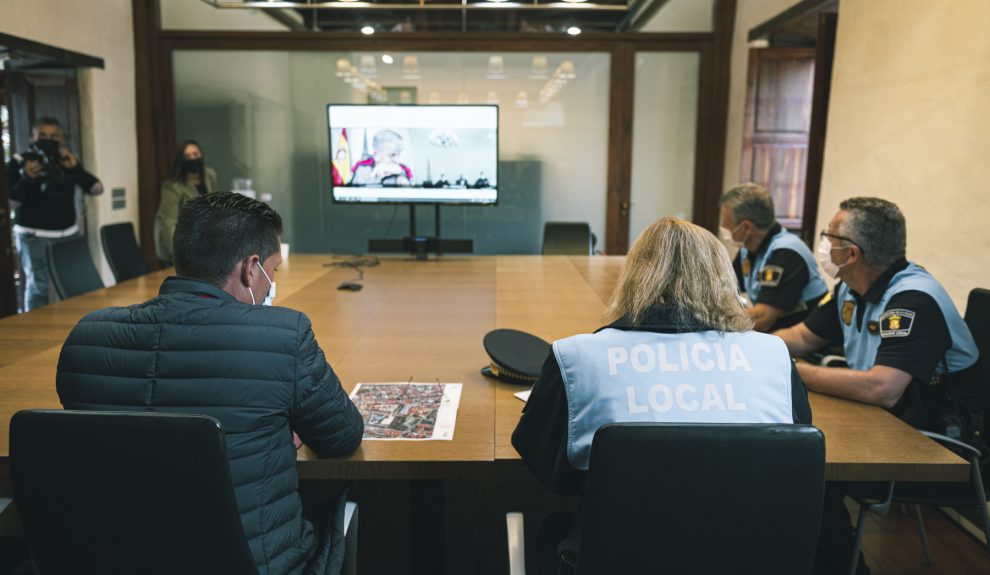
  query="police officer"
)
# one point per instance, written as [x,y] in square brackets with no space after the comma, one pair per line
[678,349]
[42,187]
[774,267]
[907,348]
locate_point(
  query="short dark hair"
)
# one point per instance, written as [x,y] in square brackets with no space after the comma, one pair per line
[215,231]
[751,202]
[46,121]
[878,227]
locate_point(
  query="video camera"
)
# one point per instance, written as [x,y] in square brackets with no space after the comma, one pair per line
[46,152]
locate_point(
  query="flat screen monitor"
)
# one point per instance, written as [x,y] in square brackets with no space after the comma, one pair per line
[414,154]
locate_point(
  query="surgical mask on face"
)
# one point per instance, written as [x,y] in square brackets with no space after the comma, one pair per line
[824,257]
[271,289]
[726,235]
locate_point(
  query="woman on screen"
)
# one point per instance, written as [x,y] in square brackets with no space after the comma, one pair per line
[383,168]
[190,178]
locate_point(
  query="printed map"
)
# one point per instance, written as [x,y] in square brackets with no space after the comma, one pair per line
[410,411]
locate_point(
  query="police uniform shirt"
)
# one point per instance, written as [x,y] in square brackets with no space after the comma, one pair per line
[782,278]
[921,343]
[541,435]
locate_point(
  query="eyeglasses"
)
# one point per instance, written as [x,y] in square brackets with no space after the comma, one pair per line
[826,234]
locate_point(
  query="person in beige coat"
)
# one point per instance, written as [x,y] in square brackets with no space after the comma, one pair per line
[190,178]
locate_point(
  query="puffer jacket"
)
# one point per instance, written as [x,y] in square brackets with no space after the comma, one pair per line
[258,370]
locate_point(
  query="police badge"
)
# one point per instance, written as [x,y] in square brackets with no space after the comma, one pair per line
[896,323]
[848,307]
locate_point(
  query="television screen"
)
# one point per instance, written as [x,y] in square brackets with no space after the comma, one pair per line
[414,154]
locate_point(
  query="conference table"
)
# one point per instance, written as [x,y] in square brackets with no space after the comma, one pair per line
[423,321]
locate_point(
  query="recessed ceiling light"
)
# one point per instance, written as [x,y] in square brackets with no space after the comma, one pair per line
[368,31]
[573,30]
[387,59]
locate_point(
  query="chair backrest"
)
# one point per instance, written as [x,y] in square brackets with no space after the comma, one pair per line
[978,320]
[102,492]
[122,251]
[703,498]
[72,269]
[566,238]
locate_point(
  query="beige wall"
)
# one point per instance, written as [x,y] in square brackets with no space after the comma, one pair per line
[909,121]
[107,103]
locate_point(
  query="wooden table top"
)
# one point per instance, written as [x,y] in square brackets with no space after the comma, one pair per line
[425,321]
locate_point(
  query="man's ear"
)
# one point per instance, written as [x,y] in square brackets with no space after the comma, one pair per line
[248,271]
[855,253]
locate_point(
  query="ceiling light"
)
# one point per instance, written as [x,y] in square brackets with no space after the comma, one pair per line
[574,1]
[539,69]
[496,68]
[387,59]
[410,68]
[573,30]
[367,65]
[368,31]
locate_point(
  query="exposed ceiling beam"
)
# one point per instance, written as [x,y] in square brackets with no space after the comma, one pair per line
[512,6]
[286,18]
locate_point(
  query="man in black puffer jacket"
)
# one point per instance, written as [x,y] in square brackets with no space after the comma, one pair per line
[204,346]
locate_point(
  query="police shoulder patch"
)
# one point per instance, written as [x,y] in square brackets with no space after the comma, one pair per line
[848,308]
[770,276]
[896,323]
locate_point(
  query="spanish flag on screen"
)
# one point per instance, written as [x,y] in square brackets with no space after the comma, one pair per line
[342,161]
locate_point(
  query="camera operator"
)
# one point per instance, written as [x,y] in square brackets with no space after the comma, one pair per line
[42,187]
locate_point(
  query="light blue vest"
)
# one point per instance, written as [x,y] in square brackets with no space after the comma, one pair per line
[861,345]
[816,286]
[703,377]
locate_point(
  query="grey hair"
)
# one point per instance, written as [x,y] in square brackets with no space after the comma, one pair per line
[383,137]
[676,263]
[878,227]
[751,202]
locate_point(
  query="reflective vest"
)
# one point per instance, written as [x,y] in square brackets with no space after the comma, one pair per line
[701,377]
[861,344]
[816,286]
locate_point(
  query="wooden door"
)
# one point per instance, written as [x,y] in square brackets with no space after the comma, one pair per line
[8,294]
[779,93]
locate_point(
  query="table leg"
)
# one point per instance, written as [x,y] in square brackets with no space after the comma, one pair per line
[427,527]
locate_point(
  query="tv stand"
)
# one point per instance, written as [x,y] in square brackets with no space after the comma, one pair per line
[421,246]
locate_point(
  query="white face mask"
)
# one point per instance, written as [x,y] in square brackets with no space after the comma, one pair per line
[824,257]
[271,289]
[726,235]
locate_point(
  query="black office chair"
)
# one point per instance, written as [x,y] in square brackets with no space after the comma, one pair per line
[121,249]
[122,492]
[696,498]
[71,267]
[971,494]
[567,238]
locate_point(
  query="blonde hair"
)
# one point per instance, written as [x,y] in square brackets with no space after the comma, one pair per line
[676,263]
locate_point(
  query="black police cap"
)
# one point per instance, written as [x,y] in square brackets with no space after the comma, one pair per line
[516,356]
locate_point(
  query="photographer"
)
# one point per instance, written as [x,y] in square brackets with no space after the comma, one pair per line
[42,187]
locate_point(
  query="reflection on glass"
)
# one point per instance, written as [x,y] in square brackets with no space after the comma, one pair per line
[665,108]
[263,115]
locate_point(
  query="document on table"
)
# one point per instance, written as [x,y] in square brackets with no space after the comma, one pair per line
[408,411]
[523,395]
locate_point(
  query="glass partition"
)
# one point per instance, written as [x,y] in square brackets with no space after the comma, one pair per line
[664,137]
[262,116]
